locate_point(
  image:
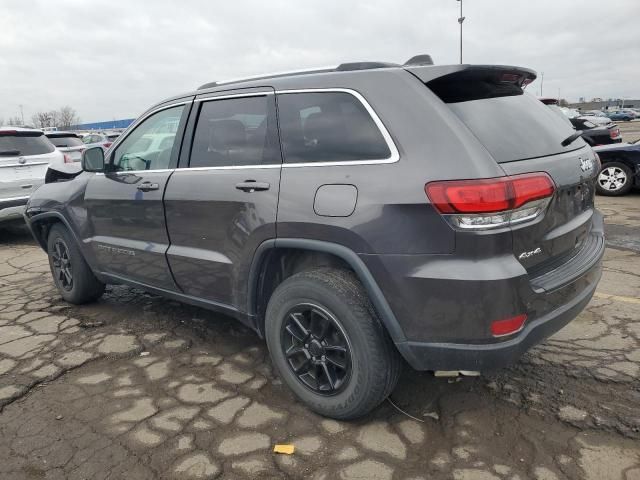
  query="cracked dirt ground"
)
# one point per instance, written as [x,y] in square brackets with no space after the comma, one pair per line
[140,387]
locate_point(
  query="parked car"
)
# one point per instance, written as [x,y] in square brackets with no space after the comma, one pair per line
[348,229]
[591,133]
[104,140]
[69,143]
[24,158]
[620,115]
[597,135]
[620,170]
[600,120]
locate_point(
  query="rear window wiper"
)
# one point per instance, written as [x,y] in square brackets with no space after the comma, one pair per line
[571,138]
[9,152]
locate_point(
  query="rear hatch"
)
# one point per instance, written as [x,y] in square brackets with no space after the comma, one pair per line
[525,136]
[24,157]
[70,144]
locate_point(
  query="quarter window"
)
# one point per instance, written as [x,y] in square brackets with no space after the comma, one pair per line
[328,127]
[150,145]
[236,132]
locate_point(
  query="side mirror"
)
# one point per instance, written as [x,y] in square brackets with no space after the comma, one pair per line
[93,160]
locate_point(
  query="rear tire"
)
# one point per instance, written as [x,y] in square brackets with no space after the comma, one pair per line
[334,310]
[72,276]
[614,179]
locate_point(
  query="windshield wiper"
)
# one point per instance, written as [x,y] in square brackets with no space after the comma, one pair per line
[9,152]
[571,138]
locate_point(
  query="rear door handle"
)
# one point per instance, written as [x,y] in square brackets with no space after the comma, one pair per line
[251,186]
[148,186]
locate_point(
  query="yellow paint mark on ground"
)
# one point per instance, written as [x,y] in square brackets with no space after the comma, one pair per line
[618,298]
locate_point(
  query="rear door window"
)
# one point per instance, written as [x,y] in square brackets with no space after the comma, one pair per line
[24,143]
[328,127]
[236,132]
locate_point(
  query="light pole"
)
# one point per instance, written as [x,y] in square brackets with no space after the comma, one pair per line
[460,20]
[541,82]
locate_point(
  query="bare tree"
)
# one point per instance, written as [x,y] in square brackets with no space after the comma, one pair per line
[45,119]
[1,121]
[67,117]
[14,121]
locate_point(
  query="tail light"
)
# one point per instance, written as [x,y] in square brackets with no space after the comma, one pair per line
[614,133]
[67,159]
[492,202]
[500,328]
[107,144]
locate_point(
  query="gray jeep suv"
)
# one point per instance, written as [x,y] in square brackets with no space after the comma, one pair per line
[354,217]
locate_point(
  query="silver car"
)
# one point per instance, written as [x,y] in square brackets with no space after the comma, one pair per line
[103,140]
[25,155]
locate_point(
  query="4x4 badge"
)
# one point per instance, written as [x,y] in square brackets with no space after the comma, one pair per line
[530,253]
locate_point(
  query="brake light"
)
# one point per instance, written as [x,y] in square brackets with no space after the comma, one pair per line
[8,133]
[508,326]
[107,144]
[67,158]
[491,202]
[615,133]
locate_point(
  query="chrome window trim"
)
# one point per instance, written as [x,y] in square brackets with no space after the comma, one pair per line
[395,154]
[393,158]
[229,167]
[195,169]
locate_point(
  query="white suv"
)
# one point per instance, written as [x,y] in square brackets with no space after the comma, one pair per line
[25,156]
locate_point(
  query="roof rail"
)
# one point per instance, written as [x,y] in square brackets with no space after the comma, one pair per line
[349,67]
[268,75]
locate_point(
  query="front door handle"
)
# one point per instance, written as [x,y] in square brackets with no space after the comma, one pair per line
[148,186]
[251,186]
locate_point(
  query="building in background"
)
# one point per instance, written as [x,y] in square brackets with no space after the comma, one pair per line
[600,104]
[112,124]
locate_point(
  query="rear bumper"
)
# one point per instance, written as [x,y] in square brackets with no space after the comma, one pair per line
[445,304]
[452,356]
[12,208]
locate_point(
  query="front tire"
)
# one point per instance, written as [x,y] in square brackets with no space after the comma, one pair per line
[614,179]
[72,276]
[328,345]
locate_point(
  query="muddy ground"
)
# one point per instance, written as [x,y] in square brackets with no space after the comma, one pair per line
[139,387]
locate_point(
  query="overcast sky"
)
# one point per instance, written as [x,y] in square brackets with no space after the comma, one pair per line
[113,59]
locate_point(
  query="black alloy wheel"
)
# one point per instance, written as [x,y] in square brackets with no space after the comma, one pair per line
[316,349]
[62,269]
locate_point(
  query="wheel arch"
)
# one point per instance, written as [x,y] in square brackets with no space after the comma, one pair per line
[262,281]
[40,224]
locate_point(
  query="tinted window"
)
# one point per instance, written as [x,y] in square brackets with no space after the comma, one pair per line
[328,127]
[25,143]
[515,127]
[236,131]
[143,148]
[66,141]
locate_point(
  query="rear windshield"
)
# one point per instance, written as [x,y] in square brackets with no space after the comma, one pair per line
[24,143]
[512,125]
[66,141]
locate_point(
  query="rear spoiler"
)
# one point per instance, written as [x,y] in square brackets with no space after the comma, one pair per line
[461,83]
[426,73]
